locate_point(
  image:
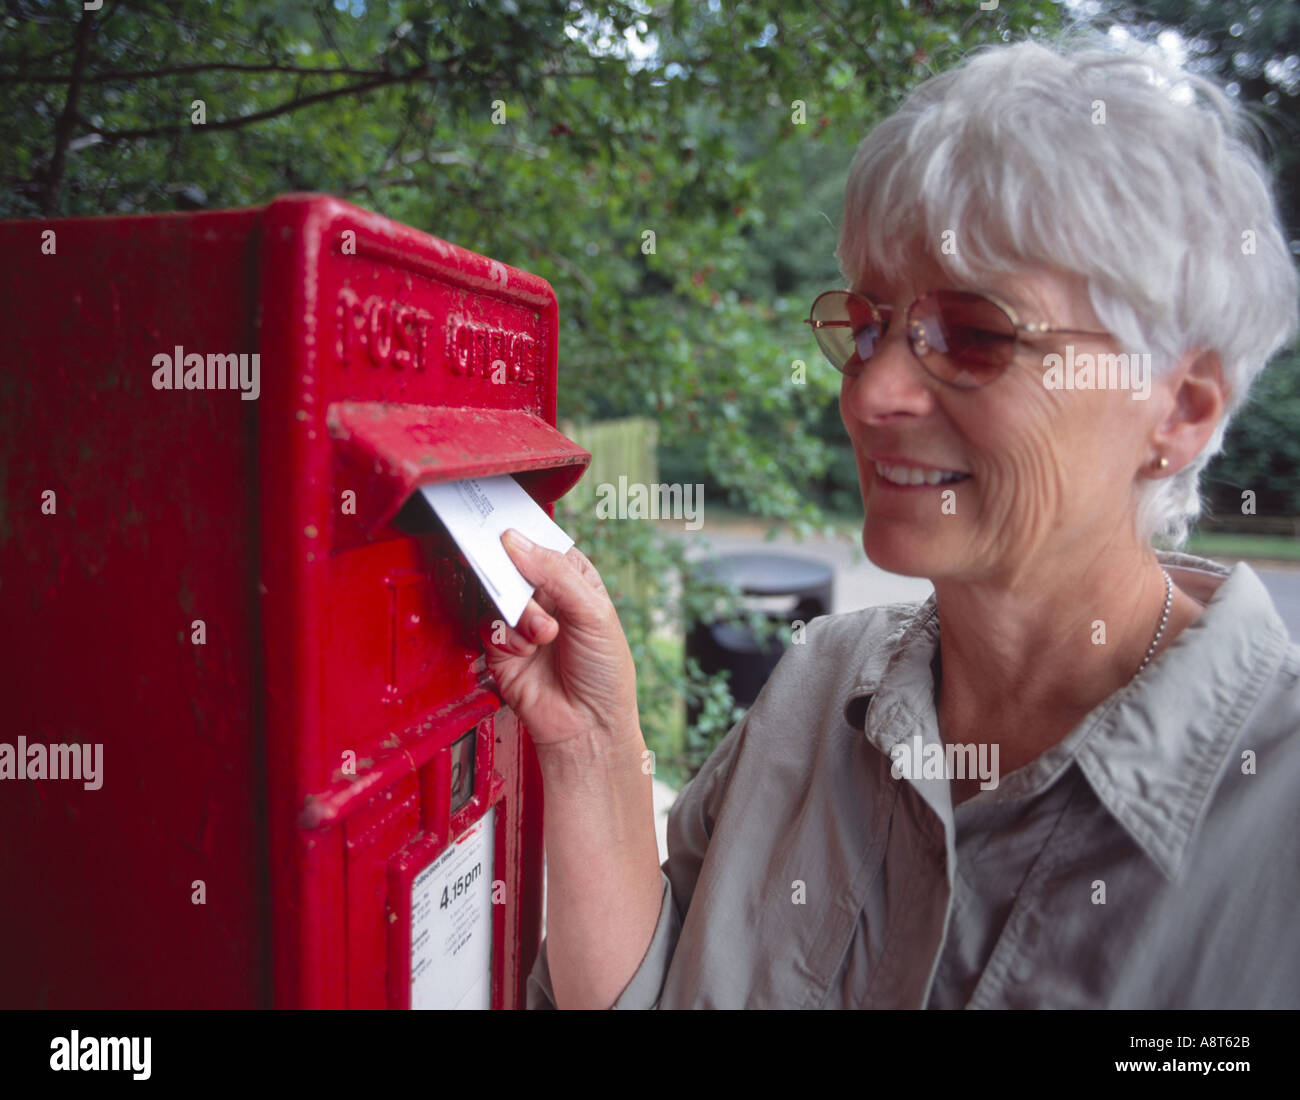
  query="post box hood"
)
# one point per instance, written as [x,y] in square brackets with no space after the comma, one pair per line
[385,452]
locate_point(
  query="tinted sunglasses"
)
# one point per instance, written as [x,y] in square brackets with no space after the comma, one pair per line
[962,339]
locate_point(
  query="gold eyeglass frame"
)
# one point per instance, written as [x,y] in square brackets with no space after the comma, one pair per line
[916,339]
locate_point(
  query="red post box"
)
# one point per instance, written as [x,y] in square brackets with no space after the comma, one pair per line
[307,793]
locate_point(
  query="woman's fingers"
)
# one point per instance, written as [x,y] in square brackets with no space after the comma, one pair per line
[536,626]
[495,634]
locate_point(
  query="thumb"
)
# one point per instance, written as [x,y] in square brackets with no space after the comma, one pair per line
[556,575]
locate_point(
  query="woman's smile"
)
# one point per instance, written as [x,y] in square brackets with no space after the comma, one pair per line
[906,475]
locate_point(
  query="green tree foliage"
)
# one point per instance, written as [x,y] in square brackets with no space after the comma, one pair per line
[1262,448]
[1253,48]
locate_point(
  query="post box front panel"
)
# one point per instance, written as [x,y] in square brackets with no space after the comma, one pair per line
[412,322]
[375,671]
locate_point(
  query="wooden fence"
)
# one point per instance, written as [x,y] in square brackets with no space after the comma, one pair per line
[619,448]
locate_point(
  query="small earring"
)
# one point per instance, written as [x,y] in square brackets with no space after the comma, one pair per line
[1162,463]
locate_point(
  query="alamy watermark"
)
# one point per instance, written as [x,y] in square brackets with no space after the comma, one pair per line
[1104,371]
[37,761]
[88,1052]
[191,371]
[638,501]
[915,759]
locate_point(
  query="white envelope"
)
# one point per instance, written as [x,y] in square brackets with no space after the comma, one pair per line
[477,511]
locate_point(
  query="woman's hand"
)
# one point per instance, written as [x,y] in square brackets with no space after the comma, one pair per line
[566,670]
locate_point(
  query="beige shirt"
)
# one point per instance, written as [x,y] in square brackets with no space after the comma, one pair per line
[1151,859]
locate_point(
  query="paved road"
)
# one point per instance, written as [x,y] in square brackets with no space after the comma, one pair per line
[1284,586]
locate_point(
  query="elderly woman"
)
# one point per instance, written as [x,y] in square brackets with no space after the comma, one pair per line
[1071,777]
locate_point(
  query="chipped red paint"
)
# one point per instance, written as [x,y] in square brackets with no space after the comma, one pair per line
[388,359]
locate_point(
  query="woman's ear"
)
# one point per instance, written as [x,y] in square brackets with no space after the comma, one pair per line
[1200,397]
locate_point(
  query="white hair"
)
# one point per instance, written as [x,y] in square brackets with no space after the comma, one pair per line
[1127,170]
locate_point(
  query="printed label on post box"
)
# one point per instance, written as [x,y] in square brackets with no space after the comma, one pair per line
[477,512]
[451,924]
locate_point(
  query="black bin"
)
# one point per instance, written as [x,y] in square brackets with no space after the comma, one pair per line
[781,587]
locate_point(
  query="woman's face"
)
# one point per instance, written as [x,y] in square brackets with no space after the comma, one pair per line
[1051,474]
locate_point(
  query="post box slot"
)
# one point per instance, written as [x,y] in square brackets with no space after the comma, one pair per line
[384,452]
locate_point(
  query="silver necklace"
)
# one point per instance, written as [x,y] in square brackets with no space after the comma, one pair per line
[1164,618]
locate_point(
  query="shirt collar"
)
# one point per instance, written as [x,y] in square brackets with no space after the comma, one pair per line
[1154,750]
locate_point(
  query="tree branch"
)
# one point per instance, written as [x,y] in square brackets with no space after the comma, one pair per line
[247,120]
[67,120]
[178,70]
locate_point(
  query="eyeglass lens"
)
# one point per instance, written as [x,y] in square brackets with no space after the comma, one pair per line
[960,338]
